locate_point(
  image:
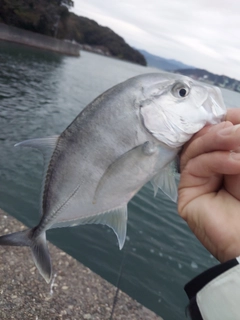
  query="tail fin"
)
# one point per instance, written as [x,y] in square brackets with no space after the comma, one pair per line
[38,247]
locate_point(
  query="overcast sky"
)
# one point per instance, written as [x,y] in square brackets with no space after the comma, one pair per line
[201,33]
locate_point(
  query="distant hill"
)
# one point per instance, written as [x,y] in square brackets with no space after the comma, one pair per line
[162,63]
[88,32]
[211,78]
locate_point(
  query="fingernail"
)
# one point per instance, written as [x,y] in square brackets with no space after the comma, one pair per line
[229,130]
[234,155]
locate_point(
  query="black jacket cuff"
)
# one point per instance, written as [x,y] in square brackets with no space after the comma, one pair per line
[193,287]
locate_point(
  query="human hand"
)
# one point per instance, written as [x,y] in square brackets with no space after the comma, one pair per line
[209,188]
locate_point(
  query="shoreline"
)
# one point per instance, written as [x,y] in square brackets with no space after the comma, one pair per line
[75,292]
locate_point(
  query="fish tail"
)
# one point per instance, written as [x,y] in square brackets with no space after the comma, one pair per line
[38,247]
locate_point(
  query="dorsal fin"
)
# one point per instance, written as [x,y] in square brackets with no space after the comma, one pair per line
[45,145]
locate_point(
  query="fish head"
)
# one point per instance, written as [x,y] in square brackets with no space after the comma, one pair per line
[176,108]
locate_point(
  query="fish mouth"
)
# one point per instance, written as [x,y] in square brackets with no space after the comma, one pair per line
[214,106]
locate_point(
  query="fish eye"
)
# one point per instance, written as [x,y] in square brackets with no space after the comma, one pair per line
[180,90]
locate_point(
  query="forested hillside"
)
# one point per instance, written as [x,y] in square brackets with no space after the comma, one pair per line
[87,31]
[53,18]
[42,16]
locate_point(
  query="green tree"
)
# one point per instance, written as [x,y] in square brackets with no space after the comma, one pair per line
[41,16]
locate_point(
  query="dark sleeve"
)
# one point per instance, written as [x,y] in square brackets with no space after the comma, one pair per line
[215,293]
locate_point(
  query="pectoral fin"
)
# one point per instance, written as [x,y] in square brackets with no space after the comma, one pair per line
[123,172]
[165,180]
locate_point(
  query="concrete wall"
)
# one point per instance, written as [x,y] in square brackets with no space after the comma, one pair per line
[12,34]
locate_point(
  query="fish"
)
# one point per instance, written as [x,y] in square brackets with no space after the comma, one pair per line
[129,135]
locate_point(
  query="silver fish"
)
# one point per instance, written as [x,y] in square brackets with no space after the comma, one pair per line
[129,135]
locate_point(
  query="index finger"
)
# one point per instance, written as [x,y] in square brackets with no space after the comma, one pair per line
[209,140]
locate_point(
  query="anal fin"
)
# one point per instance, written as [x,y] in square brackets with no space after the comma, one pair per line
[115,219]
